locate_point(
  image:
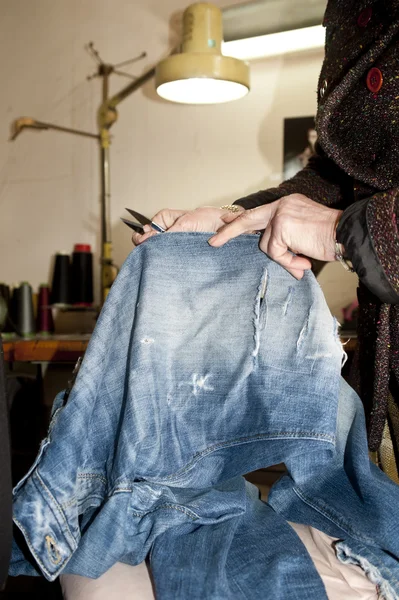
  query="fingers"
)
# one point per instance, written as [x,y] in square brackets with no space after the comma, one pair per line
[246,222]
[297,273]
[271,243]
[167,217]
[279,252]
[205,219]
[290,262]
[183,224]
[229,217]
[139,238]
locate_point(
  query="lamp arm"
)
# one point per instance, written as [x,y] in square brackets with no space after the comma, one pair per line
[27,122]
[107,114]
[130,88]
[73,131]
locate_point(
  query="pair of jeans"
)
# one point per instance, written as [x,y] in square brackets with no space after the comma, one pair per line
[205,364]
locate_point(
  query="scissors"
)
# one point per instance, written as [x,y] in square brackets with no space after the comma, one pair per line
[138,227]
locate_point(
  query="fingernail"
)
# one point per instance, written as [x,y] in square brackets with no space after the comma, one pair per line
[211,241]
[147,228]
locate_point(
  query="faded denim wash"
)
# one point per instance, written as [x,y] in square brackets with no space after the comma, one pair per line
[205,364]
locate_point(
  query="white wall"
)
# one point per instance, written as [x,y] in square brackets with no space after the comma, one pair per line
[162,154]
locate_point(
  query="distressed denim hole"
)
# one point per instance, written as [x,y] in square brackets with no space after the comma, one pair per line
[258,322]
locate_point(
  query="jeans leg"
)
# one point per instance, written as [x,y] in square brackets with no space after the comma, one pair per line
[347,497]
[255,555]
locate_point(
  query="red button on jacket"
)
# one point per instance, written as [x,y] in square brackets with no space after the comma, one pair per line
[374,80]
[365,16]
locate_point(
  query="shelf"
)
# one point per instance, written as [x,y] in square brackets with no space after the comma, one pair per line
[55,348]
[68,348]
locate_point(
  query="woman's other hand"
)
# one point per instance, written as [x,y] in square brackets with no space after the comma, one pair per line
[292,226]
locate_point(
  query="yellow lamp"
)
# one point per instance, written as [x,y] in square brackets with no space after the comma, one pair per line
[200,74]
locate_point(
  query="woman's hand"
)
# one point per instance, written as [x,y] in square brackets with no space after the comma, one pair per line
[206,218]
[165,218]
[293,225]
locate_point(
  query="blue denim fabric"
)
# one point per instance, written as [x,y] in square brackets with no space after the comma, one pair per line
[348,498]
[256,555]
[205,364]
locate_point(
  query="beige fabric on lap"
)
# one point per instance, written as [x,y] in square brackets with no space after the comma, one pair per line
[342,581]
[123,582]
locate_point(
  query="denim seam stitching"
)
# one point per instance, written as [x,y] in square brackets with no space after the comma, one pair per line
[89,497]
[32,549]
[51,501]
[332,518]
[80,503]
[69,503]
[238,441]
[187,512]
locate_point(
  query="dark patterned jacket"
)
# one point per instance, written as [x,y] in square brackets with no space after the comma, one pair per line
[356,169]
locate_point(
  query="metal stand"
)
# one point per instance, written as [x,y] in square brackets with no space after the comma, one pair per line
[106,117]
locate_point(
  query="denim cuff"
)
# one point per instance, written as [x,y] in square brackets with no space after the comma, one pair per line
[49,538]
[353,232]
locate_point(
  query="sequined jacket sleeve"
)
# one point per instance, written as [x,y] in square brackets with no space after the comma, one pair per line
[321,180]
[368,229]
[357,131]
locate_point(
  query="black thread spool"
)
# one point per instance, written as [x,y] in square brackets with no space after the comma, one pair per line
[5,304]
[24,317]
[82,275]
[61,284]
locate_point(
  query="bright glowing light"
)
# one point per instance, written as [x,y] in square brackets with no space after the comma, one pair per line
[202,91]
[275,44]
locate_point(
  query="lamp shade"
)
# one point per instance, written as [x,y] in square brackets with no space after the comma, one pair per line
[200,74]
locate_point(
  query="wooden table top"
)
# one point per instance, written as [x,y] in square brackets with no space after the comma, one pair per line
[55,348]
[68,348]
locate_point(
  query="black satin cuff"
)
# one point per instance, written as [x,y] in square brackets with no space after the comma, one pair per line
[353,233]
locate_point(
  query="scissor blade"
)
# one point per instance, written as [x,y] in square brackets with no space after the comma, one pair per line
[135,226]
[141,218]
